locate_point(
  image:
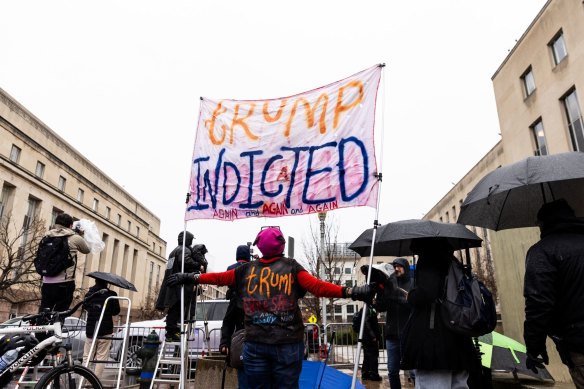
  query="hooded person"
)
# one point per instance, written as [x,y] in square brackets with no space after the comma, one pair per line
[234,316]
[554,291]
[57,291]
[441,358]
[169,295]
[270,289]
[394,301]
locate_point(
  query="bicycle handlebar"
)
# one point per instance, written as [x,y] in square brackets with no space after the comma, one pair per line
[66,313]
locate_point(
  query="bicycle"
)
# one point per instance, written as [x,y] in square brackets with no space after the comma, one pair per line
[66,375]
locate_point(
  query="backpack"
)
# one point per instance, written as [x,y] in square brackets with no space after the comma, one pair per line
[467,306]
[53,256]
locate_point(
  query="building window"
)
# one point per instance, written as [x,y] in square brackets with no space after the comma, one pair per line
[129,225]
[454,213]
[153,246]
[137,231]
[15,154]
[95,205]
[31,214]
[350,309]
[539,138]
[108,211]
[558,46]
[40,169]
[447,217]
[5,196]
[574,116]
[80,193]
[348,270]
[528,82]
[119,222]
[61,184]
[56,212]
[338,308]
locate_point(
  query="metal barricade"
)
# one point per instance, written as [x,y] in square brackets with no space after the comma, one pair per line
[345,346]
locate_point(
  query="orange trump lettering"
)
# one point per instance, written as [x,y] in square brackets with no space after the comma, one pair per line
[240,121]
[269,118]
[309,111]
[210,124]
[250,278]
[340,108]
[264,279]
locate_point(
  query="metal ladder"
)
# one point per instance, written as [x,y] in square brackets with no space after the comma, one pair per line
[121,363]
[168,363]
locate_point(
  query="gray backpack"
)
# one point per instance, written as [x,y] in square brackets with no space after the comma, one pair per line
[467,306]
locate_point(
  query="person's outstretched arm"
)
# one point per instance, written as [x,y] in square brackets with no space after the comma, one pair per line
[226,278]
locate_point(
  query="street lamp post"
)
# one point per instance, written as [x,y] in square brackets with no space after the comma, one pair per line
[322,217]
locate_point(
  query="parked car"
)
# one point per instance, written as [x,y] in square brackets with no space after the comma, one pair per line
[74,327]
[201,339]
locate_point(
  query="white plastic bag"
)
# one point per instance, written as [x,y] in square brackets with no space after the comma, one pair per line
[90,234]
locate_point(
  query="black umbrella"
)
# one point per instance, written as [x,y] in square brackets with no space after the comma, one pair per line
[394,238]
[113,279]
[510,196]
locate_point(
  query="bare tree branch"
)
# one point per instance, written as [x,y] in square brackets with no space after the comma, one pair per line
[19,282]
[333,264]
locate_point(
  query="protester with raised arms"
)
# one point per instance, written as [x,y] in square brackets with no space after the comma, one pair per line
[270,289]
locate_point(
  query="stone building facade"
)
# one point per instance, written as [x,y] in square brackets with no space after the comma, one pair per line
[539,92]
[41,175]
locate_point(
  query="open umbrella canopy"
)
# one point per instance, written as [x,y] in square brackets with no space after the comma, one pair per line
[113,279]
[506,355]
[510,196]
[395,238]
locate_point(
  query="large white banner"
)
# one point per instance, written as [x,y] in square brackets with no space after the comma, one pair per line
[311,152]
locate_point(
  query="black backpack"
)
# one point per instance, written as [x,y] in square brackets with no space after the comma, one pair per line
[467,306]
[53,256]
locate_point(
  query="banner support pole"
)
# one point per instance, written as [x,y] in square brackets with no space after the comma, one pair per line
[182,379]
[375,225]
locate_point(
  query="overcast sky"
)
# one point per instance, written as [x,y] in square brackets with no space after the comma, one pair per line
[121,80]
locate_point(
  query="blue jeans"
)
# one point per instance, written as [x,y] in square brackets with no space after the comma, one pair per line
[241,379]
[272,366]
[393,359]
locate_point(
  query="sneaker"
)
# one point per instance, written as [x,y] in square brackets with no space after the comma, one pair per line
[375,377]
[172,337]
[364,376]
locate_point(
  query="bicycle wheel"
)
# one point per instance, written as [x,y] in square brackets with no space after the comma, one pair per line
[69,377]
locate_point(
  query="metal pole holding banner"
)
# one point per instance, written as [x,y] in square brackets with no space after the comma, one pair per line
[183,335]
[322,217]
[375,225]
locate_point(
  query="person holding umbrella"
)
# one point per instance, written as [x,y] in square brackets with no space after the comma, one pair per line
[441,358]
[554,290]
[102,345]
[270,288]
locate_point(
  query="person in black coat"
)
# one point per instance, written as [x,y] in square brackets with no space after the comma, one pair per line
[398,309]
[234,316]
[554,290]
[169,296]
[94,308]
[440,357]
[371,337]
